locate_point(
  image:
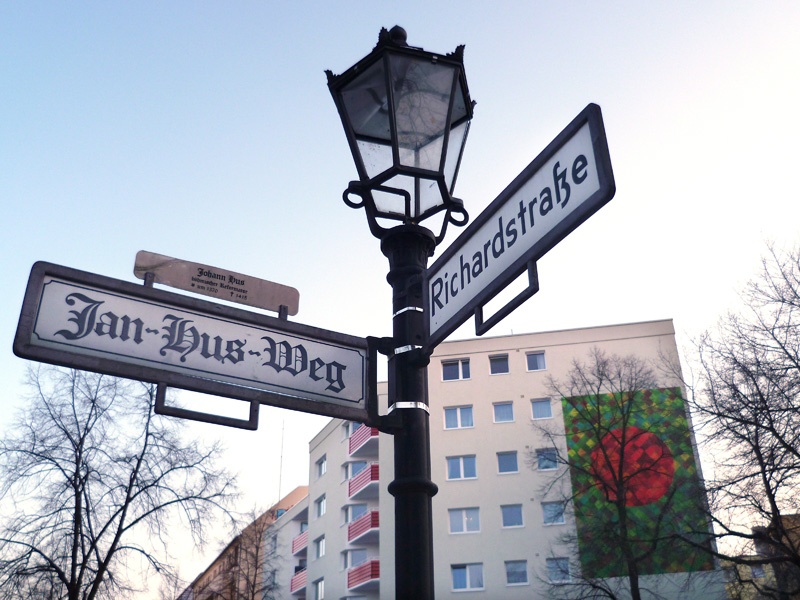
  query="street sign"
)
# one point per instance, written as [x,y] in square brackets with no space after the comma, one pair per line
[217,283]
[87,321]
[563,186]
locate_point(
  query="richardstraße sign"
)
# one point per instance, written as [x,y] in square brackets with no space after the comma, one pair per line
[87,321]
[563,186]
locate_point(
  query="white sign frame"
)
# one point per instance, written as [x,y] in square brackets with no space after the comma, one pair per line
[87,321]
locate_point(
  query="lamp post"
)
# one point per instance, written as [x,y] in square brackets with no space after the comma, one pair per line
[406,114]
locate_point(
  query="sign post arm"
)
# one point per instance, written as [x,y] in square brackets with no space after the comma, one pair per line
[161,408]
[482,326]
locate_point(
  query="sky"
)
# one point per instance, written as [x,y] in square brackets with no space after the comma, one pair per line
[205,131]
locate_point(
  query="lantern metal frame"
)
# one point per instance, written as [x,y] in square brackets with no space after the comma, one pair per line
[361,194]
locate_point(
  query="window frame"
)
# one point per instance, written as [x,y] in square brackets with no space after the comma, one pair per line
[503,516]
[322,465]
[460,363]
[460,416]
[465,520]
[548,513]
[348,467]
[493,358]
[509,403]
[347,557]
[319,547]
[513,453]
[461,468]
[541,401]
[348,510]
[522,562]
[319,589]
[558,561]
[469,587]
[543,452]
[528,361]
[320,506]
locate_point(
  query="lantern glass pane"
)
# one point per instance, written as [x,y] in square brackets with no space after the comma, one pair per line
[389,205]
[428,157]
[422,91]
[365,101]
[376,157]
[455,147]
[430,196]
[424,193]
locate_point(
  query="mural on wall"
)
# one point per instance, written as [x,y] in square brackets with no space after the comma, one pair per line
[637,447]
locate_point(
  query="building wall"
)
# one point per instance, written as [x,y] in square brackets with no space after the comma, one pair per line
[492,545]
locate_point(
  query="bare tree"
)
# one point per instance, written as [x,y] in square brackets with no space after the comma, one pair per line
[747,393]
[630,477]
[92,481]
[247,565]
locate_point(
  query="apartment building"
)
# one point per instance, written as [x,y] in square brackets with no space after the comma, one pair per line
[248,566]
[502,527]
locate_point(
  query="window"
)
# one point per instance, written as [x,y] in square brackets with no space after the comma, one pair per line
[271,579]
[319,589]
[352,469]
[458,417]
[319,506]
[350,427]
[535,361]
[757,571]
[512,515]
[461,467]
[464,520]
[353,512]
[546,459]
[498,365]
[353,558]
[553,513]
[319,547]
[503,412]
[455,369]
[541,408]
[303,526]
[516,572]
[467,577]
[557,569]
[322,466]
[507,462]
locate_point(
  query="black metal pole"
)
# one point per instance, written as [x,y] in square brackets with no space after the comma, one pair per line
[408,248]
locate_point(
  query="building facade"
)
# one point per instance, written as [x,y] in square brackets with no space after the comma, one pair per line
[504,526]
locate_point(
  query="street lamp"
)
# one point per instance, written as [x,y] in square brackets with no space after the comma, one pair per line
[406,114]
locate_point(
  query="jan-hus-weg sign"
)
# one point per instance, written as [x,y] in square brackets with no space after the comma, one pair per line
[91,322]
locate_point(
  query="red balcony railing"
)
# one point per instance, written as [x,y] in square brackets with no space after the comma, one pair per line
[300,543]
[360,576]
[363,525]
[365,484]
[363,441]
[298,582]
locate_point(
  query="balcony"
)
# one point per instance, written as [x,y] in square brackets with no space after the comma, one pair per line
[364,486]
[364,442]
[365,529]
[298,585]
[300,543]
[365,578]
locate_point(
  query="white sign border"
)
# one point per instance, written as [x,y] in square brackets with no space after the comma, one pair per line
[25,346]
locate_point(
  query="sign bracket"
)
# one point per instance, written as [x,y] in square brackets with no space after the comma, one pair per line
[482,326]
[161,408]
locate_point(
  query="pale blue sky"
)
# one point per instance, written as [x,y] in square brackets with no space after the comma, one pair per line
[205,131]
